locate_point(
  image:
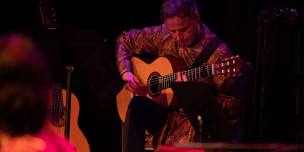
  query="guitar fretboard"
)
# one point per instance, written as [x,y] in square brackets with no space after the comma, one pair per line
[228,67]
[191,74]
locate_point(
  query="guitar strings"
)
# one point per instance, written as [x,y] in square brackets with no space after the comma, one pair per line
[191,72]
[170,77]
[166,80]
[57,102]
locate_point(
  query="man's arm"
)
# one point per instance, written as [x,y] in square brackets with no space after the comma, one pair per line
[136,42]
[226,86]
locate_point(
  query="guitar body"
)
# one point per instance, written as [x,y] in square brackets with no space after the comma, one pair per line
[77,138]
[143,70]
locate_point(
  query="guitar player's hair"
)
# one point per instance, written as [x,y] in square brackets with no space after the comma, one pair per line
[23,86]
[180,8]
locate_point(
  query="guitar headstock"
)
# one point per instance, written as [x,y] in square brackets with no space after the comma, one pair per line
[230,66]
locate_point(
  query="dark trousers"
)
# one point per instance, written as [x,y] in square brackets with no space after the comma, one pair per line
[142,114]
[199,99]
[195,99]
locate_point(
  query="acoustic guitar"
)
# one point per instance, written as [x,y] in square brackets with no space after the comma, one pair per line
[159,75]
[58,117]
[63,114]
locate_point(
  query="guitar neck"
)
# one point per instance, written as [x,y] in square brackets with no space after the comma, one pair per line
[191,74]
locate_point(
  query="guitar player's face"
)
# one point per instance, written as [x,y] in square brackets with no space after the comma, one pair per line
[184,30]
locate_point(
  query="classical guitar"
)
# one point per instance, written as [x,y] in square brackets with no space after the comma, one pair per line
[159,76]
[63,114]
[57,118]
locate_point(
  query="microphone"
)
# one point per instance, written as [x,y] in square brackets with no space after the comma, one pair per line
[287,15]
[200,123]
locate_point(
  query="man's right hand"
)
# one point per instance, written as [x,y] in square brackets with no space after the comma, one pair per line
[133,84]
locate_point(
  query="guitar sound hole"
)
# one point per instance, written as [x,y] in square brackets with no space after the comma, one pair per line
[153,85]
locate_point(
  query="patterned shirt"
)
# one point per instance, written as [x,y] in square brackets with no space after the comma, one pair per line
[158,41]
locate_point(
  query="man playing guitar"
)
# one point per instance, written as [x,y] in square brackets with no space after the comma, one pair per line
[183,37]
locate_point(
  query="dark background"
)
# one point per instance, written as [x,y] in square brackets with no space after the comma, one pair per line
[85,37]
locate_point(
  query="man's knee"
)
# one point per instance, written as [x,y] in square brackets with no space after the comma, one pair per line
[137,101]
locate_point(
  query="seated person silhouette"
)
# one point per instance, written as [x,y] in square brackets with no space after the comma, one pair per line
[24,100]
